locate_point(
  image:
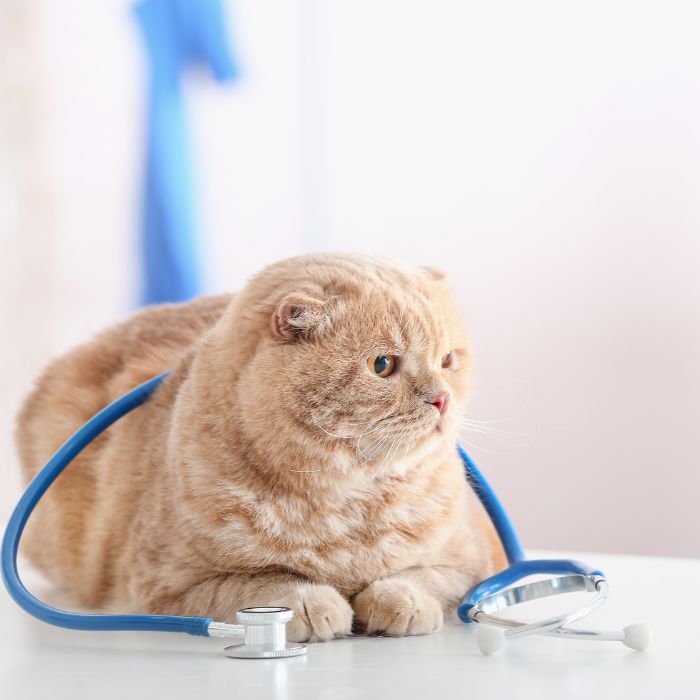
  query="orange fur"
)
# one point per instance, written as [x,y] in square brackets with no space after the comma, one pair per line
[272,466]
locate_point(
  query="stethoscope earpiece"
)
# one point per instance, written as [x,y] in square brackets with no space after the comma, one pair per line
[637,636]
[490,640]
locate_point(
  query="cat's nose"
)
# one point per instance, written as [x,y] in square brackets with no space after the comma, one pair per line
[440,401]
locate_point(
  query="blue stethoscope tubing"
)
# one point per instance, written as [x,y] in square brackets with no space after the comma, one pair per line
[518,568]
[37,488]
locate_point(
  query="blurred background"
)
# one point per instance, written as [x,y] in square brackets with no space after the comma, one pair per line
[546,155]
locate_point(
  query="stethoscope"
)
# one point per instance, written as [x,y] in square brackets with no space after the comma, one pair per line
[261,631]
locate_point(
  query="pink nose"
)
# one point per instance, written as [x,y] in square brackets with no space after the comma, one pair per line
[440,401]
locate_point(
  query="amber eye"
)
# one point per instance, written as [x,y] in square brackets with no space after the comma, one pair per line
[446,360]
[382,365]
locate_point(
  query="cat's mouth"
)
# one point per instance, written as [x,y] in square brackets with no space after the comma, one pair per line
[371,438]
[428,422]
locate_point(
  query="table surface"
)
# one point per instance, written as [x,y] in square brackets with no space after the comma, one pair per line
[39,661]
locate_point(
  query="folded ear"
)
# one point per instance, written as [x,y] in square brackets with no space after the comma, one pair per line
[298,315]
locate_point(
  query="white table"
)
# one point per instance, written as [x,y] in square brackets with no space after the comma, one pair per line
[38,661]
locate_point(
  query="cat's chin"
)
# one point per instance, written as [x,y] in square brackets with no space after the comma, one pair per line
[435,431]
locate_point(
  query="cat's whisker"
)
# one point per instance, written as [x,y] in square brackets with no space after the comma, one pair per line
[480,421]
[376,429]
[311,471]
[500,436]
[389,454]
[487,430]
[372,423]
[387,459]
[380,445]
[374,448]
[384,458]
[333,435]
[377,440]
[487,425]
[359,422]
[396,445]
[480,448]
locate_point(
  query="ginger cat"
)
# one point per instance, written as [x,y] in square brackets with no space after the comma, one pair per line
[301,454]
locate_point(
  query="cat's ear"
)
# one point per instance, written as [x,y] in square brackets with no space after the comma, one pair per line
[433,273]
[297,315]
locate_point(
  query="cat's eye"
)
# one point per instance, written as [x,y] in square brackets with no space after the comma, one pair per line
[446,360]
[382,365]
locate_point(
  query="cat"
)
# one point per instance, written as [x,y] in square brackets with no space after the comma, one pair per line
[301,454]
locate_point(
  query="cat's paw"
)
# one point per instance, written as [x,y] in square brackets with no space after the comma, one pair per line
[320,613]
[397,607]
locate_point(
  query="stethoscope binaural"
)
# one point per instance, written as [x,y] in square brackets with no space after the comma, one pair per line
[261,631]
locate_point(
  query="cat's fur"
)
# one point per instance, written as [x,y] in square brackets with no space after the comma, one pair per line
[272,467]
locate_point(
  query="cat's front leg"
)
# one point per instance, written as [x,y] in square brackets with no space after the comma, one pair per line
[320,612]
[411,602]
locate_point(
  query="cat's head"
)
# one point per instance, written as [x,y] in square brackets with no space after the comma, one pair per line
[354,354]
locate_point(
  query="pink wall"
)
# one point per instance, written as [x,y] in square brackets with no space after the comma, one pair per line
[544,154]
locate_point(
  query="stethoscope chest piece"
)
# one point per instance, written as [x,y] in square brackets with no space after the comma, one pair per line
[265,635]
